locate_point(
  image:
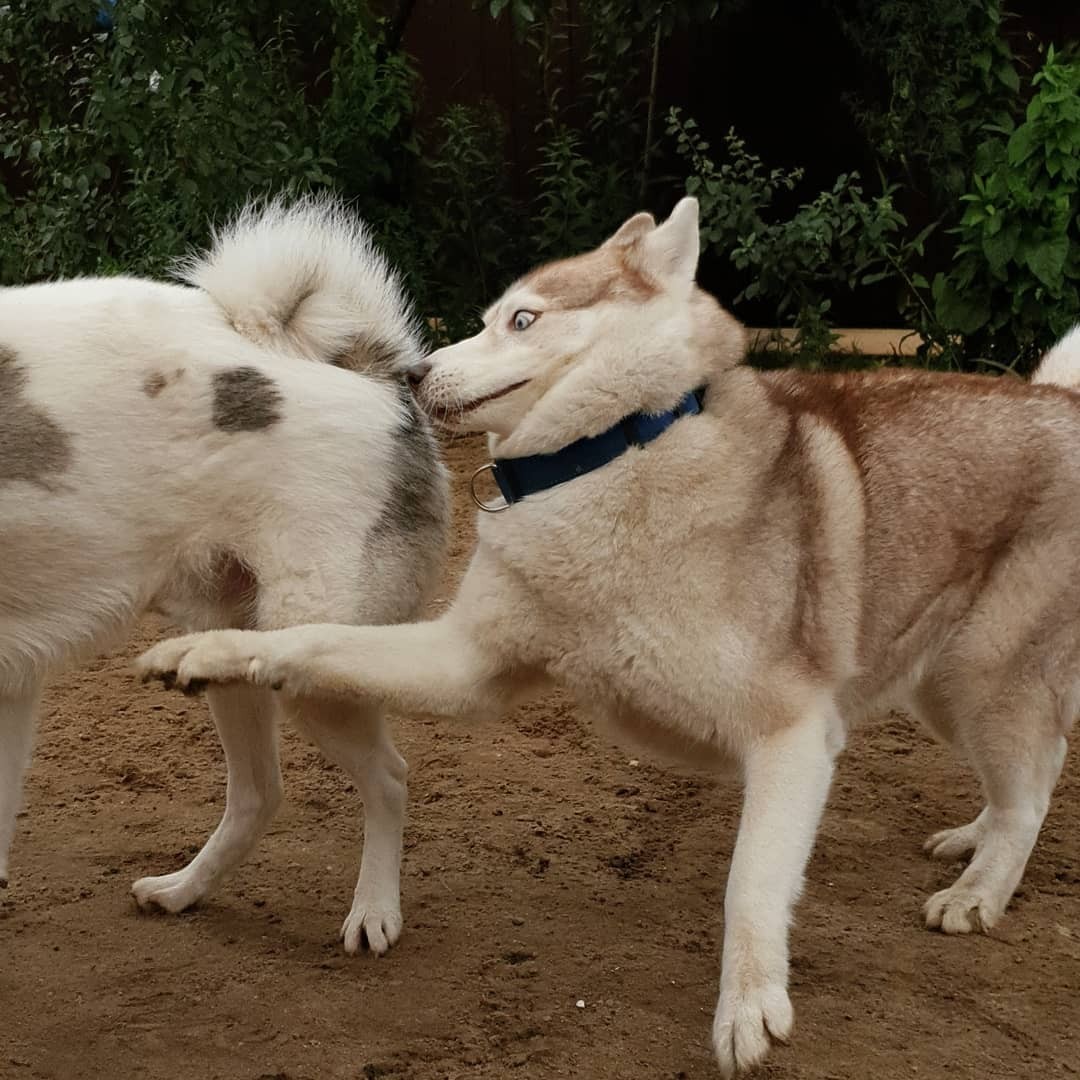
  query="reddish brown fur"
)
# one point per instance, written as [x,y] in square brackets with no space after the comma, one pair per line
[930,533]
[585,280]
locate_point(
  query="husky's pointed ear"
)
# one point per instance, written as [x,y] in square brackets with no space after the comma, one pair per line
[632,230]
[671,250]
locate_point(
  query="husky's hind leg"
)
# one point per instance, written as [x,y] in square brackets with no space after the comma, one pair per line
[1016,744]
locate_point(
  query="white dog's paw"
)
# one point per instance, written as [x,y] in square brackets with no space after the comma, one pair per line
[962,909]
[219,656]
[953,844]
[747,1022]
[170,892]
[374,921]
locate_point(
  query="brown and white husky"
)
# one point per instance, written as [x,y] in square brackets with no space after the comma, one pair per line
[803,552]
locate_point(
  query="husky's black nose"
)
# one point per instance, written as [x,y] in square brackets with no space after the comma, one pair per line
[417,373]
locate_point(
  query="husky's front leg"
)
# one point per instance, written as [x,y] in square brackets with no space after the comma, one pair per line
[787,777]
[432,667]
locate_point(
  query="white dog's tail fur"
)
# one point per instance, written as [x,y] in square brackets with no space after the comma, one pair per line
[305,275]
[1061,365]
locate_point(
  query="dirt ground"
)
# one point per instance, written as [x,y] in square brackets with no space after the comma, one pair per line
[542,868]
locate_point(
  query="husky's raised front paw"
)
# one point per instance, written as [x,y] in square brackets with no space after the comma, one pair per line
[219,656]
[747,1022]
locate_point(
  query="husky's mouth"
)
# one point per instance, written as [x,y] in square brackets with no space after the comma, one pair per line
[439,411]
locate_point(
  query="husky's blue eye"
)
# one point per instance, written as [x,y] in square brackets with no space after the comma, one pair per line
[522,320]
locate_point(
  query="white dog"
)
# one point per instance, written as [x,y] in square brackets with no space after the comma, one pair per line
[242,452]
[733,567]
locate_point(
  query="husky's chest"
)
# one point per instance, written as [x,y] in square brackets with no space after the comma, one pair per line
[650,625]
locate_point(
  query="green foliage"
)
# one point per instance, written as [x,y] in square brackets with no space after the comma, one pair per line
[578,202]
[366,122]
[592,165]
[467,219]
[840,240]
[627,38]
[942,71]
[1014,285]
[121,145]
[117,148]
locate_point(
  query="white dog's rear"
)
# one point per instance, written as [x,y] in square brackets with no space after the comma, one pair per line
[237,453]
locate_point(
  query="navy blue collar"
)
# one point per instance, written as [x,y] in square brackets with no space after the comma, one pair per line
[523,476]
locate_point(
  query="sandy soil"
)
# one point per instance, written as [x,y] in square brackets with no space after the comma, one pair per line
[542,868]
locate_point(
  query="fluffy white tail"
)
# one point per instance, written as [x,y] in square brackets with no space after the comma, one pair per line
[305,275]
[1061,365]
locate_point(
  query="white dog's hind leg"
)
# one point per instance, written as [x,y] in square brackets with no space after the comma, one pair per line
[342,677]
[787,782]
[357,740]
[18,713]
[246,719]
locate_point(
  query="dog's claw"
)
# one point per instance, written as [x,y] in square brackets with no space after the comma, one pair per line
[194,687]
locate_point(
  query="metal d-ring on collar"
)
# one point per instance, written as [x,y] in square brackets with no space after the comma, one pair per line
[489,508]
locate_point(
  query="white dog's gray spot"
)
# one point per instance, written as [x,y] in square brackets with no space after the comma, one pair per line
[154,383]
[369,354]
[33,446]
[416,497]
[245,400]
[157,381]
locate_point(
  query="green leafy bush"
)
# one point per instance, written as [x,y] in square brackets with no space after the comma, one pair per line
[937,72]
[1014,285]
[118,147]
[127,142]
[466,221]
[838,241]
[593,164]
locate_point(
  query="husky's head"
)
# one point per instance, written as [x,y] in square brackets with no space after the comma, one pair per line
[578,343]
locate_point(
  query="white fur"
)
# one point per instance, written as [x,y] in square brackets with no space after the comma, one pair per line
[305,274]
[1061,365]
[160,507]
